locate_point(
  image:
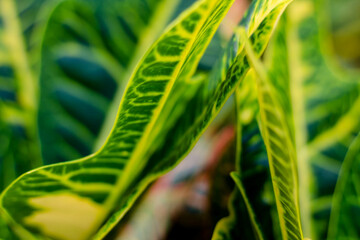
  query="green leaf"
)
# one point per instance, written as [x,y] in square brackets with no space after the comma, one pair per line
[281,152]
[5,232]
[14,57]
[225,226]
[326,112]
[85,68]
[218,87]
[276,53]
[18,93]
[21,28]
[257,232]
[344,221]
[221,84]
[82,194]
[252,198]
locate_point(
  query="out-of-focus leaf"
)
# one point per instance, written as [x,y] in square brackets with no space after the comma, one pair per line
[281,151]
[221,84]
[86,59]
[327,107]
[345,218]
[251,163]
[19,21]
[5,232]
[276,60]
[82,195]
[340,32]
[19,38]
[252,167]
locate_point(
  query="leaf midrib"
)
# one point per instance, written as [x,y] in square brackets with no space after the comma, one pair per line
[135,160]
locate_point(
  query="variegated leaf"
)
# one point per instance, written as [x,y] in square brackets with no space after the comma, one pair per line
[88,191]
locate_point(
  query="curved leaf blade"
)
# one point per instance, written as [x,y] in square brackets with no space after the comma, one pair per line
[218,88]
[281,152]
[89,190]
[249,211]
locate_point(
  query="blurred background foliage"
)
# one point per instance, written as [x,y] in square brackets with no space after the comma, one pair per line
[59,104]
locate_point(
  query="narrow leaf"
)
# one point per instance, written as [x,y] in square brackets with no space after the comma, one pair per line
[218,88]
[249,153]
[344,220]
[281,152]
[223,228]
[257,232]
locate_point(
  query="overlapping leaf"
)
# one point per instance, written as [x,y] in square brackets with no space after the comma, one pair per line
[281,152]
[252,200]
[242,222]
[247,203]
[220,85]
[215,98]
[87,191]
[220,74]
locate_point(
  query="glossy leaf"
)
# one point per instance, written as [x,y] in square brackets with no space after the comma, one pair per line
[218,87]
[281,152]
[221,84]
[223,230]
[89,190]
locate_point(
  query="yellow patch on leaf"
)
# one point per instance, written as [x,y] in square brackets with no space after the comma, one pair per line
[64,216]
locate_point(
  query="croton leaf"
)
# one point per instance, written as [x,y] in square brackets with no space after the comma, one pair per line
[80,195]
[218,87]
[344,221]
[281,151]
[250,207]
